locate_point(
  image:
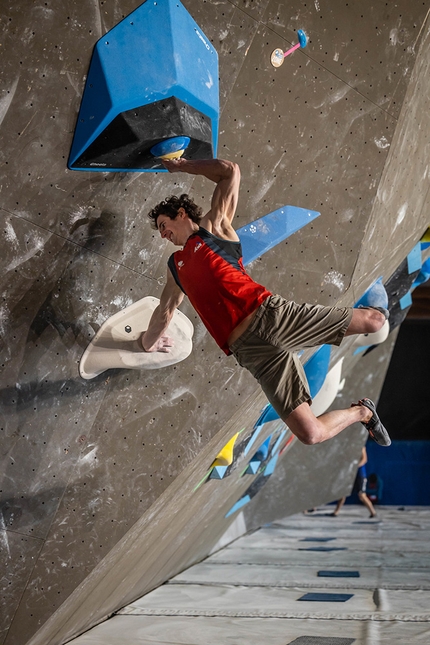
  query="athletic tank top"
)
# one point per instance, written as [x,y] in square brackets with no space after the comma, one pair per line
[210,271]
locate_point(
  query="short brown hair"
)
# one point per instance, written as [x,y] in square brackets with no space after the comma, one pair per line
[171,206]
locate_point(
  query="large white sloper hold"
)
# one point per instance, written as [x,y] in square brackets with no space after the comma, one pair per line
[327,394]
[116,343]
[375,338]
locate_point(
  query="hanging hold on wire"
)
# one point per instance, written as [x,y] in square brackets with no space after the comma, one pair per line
[277,56]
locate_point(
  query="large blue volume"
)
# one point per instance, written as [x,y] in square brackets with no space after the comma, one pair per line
[152,77]
[263,234]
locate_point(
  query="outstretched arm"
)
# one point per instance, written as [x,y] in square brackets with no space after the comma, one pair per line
[226,176]
[153,339]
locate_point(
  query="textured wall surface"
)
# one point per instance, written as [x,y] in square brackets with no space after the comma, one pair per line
[98,478]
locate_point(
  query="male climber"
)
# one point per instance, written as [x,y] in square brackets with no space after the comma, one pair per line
[263,331]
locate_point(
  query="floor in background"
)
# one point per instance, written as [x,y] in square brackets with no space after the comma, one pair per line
[310,579]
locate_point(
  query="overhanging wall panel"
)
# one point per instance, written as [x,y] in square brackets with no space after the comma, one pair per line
[371,48]
[302,137]
[78,249]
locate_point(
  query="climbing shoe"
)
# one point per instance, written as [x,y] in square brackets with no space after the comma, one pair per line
[374,427]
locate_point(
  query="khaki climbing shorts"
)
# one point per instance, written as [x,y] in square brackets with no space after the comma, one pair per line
[268,347]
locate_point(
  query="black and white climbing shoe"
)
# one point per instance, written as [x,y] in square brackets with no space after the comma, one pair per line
[374,427]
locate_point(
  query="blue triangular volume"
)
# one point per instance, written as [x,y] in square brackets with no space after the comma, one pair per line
[414,259]
[406,301]
[278,442]
[263,234]
[154,76]
[270,468]
[253,438]
[361,350]
[218,472]
[268,414]
[253,467]
[241,502]
[423,275]
[262,451]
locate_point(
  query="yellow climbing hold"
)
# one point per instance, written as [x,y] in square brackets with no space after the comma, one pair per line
[172,155]
[225,456]
[426,236]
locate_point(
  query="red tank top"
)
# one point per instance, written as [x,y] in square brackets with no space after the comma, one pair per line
[210,271]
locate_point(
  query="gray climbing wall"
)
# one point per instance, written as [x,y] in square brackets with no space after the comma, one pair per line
[99,478]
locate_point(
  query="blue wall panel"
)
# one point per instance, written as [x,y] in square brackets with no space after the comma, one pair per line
[405,471]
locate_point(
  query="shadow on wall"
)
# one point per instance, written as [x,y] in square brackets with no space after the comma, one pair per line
[22,396]
[64,270]
[26,513]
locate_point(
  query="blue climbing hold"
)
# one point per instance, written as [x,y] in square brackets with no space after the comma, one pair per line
[268,414]
[262,451]
[268,231]
[170,148]
[423,275]
[152,77]
[414,259]
[270,468]
[375,296]
[253,467]
[241,502]
[302,38]
[218,472]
